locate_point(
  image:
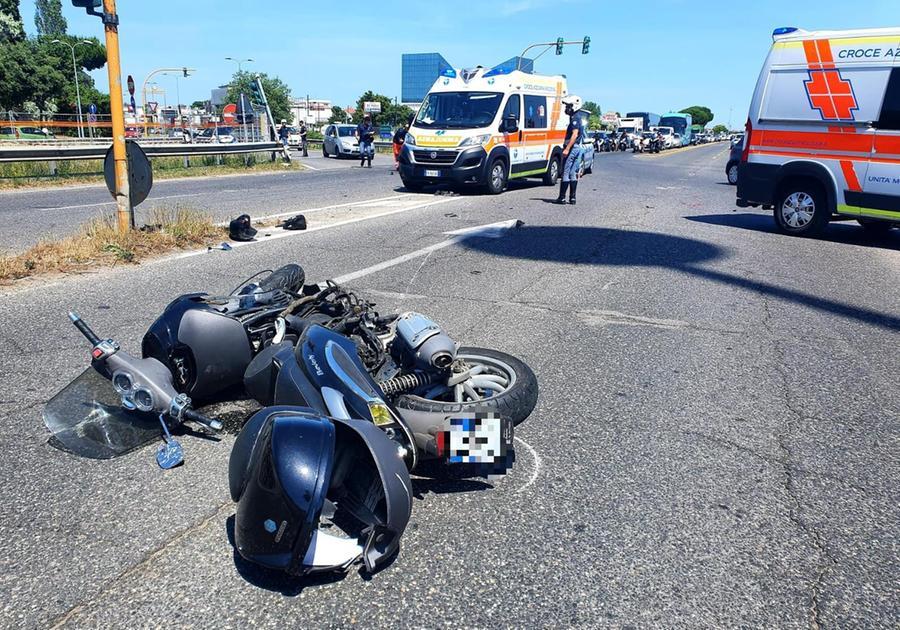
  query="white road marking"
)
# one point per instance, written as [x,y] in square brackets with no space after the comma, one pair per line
[538,464]
[276,233]
[308,165]
[112,203]
[490,230]
[364,203]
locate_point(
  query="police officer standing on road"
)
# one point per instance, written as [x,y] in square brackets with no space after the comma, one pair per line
[283,132]
[571,156]
[303,132]
[365,133]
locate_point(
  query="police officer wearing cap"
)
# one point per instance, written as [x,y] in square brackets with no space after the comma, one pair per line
[571,155]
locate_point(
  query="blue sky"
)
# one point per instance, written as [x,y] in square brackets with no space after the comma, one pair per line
[645,56]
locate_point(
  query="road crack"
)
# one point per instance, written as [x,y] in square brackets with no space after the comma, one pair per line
[795,414]
[148,557]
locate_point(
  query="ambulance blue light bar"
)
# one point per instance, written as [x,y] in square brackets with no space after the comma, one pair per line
[449,72]
[784,30]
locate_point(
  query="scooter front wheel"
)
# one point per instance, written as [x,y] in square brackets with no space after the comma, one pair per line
[496,381]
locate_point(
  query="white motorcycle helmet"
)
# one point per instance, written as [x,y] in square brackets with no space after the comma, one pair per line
[572,101]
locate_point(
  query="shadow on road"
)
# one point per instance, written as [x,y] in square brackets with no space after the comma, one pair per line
[837,232]
[610,247]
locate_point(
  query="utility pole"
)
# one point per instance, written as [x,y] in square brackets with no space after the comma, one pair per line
[124,210]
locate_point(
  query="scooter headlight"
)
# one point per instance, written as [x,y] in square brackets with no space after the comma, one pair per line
[143,399]
[122,382]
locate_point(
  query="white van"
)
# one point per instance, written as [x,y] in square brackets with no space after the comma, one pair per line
[484,127]
[823,134]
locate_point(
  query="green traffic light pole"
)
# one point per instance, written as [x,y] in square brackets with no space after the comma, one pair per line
[558,44]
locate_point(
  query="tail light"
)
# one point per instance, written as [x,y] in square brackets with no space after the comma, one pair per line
[748,131]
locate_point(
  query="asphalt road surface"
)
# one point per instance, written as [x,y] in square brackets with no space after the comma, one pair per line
[715,445]
[28,215]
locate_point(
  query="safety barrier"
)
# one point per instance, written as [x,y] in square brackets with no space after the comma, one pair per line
[43,152]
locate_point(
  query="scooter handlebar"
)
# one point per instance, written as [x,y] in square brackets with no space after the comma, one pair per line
[194,416]
[84,329]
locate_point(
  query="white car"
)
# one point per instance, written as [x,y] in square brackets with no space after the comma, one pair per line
[340,141]
[294,139]
[668,137]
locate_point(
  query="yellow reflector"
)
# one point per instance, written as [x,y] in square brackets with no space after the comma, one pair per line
[381,415]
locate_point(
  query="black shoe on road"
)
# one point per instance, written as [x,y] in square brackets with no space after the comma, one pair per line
[560,200]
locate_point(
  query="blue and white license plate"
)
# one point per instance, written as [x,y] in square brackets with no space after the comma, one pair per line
[432,173]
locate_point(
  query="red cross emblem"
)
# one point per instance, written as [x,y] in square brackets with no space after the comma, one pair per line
[831,94]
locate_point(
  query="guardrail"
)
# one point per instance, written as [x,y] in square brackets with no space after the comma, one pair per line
[39,153]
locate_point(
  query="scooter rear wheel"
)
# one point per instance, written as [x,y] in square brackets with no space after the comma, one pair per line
[515,401]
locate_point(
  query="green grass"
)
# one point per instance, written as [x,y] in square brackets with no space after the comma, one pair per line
[29,174]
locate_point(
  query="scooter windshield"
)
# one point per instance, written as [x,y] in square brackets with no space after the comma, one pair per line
[86,418]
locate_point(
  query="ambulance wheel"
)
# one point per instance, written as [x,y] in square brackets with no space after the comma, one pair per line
[802,208]
[873,226]
[496,180]
[552,174]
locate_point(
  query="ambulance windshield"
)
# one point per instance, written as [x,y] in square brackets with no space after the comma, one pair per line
[458,110]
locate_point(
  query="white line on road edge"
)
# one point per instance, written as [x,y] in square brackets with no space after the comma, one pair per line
[537,464]
[312,168]
[112,203]
[490,230]
[335,207]
[278,233]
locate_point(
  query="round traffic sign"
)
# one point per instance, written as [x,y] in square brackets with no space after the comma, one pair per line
[140,174]
[229,113]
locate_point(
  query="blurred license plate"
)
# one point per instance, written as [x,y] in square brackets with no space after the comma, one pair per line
[432,173]
[479,438]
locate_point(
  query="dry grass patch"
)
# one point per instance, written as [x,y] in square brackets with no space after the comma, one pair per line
[99,244]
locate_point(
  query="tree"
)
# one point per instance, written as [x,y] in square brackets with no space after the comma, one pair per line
[391,114]
[592,107]
[338,115]
[277,93]
[720,129]
[700,115]
[11,29]
[594,121]
[48,18]
[29,72]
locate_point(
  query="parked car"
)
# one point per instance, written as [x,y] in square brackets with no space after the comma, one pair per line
[587,156]
[218,135]
[734,161]
[340,141]
[24,133]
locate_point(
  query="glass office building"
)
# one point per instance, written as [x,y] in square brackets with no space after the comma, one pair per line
[419,72]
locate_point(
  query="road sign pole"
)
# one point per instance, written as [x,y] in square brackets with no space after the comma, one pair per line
[124,210]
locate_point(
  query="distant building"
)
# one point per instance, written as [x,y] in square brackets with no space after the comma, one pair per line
[419,71]
[312,111]
[517,63]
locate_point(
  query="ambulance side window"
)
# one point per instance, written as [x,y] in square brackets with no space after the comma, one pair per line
[513,106]
[535,112]
[890,109]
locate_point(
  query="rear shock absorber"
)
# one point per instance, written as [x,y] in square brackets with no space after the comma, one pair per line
[406,383]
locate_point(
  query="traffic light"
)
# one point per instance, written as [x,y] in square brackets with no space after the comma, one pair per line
[87,4]
[585,45]
[559,45]
[255,92]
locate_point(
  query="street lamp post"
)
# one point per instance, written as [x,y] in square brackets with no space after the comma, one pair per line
[243,114]
[75,72]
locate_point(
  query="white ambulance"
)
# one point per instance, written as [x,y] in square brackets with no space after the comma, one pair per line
[823,135]
[484,127]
